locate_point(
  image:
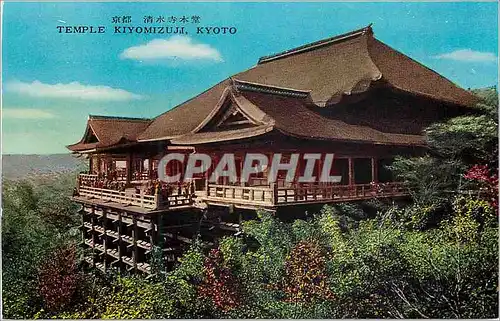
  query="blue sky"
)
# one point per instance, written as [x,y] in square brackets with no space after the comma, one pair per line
[52,81]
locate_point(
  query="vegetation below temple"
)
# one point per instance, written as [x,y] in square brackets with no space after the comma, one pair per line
[436,257]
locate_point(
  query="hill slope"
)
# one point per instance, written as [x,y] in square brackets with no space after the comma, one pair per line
[31,166]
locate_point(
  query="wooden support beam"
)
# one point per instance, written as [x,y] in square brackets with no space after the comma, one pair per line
[152,233]
[374,170]
[274,190]
[129,168]
[150,168]
[99,165]
[351,171]
[91,164]
[104,221]
[83,223]
[93,235]
[134,236]
[120,241]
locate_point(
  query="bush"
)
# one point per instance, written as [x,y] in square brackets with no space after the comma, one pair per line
[57,278]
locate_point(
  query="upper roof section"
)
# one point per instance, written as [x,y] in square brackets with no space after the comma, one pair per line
[328,70]
[106,131]
[348,63]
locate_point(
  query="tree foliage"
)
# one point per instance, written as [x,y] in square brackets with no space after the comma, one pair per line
[58,277]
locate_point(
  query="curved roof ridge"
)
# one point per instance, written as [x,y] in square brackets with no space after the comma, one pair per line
[316,44]
[250,110]
[213,112]
[271,89]
[117,118]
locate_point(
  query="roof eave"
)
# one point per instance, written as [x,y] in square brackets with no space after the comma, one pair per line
[356,141]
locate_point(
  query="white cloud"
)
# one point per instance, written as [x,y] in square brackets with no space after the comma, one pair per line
[26,113]
[73,90]
[469,56]
[176,47]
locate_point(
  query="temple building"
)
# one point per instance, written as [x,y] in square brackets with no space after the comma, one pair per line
[350,95]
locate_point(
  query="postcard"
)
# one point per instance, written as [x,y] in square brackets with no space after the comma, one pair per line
[242,160]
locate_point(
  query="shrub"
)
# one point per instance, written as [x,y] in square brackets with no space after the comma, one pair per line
[305,279]
[57,278]
[219,284]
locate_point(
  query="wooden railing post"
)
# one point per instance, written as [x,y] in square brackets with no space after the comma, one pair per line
[207,187]
[274,191]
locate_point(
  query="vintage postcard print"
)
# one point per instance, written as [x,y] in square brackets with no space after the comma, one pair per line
[249,160]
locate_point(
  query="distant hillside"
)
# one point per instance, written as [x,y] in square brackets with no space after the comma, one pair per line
[29,166]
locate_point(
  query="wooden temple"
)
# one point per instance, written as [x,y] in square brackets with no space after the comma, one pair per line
[350,95]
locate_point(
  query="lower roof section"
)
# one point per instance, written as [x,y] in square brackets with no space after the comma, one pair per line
[294,117]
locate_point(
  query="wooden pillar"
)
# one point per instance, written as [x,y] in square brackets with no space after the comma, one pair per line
[351,171]
[109,164]
[129,168]
[93,235]
[160,237]
[274,191]
[104,221]
[99,165]
[82,212]
[91,164]
[150,168]
[152,232]
[298,171]
[119,230]
[320,168]
[207,187]
[158,199]
[242,160]
[134,248]
[374,170]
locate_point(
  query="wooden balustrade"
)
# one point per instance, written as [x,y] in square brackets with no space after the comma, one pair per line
[275,195]
[241,194]
[175,200]
[319,193]
[267,195]
[145,201]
